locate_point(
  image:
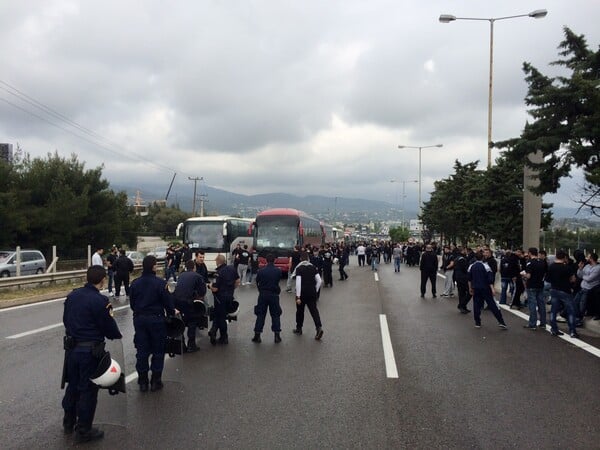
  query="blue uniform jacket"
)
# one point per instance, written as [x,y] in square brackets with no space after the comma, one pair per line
[88,316]
[190,286]
[267,279]
[225,278]
[149,296]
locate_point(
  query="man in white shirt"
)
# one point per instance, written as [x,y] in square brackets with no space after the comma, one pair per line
[360,252]
[97,257]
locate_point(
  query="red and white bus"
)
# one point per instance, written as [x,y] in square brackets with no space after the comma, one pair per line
[278,230]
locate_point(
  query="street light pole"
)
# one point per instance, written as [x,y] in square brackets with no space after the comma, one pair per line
[403,194]
[447,18]
[420,148]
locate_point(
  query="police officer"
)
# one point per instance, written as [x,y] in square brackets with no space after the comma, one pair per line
[149,301]
[190,286]
[267,282]
[226,280]
[88,319]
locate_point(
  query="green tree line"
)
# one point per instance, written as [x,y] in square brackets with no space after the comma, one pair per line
[57,201]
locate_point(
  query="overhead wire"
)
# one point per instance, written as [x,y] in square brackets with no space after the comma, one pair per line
[62,118]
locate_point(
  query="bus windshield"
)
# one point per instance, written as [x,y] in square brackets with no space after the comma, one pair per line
[207,236]
[276,233]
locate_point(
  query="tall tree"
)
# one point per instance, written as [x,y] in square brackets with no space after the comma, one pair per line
[566,121]
[56,201]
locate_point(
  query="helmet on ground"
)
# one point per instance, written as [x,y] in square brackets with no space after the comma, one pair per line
[199,307]
[107,373]
[175,326]
[233,308]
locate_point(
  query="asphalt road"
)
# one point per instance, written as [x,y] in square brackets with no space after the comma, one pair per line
[457,386]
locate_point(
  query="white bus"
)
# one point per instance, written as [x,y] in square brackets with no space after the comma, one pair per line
[215,235]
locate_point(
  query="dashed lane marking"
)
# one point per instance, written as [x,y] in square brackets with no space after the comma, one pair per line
[50,327]
[376,276]
[388,352]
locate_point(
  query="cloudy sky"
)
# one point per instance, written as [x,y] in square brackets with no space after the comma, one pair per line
[262,96]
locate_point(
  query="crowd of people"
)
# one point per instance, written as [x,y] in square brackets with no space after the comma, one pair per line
[570,285]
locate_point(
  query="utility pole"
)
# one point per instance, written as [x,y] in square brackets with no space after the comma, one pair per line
[202,201]
[195,180]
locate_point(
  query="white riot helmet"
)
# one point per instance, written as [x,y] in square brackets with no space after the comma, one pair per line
[107,373]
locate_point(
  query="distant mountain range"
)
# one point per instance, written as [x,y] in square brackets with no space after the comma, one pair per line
[219,201]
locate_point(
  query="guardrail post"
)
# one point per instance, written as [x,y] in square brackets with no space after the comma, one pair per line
[18,261]
[89,259]
[54,259]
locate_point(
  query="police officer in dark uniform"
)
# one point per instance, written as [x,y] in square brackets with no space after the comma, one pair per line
[190,286]
[149,301]
[88,319]
[226,280]
[267,282]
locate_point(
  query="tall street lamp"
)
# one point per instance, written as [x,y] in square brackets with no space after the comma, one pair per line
[420,148]
[447,18]
[403,193]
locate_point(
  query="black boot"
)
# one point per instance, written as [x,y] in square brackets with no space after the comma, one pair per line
[256,338]
[191,346]
[277,338]
[212,333]
[224,340]
[69,423]
[143,381]
[156,382]
[297,330]
[87,435]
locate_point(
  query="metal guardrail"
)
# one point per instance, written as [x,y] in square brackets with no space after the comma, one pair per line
[46,278]
[41,278]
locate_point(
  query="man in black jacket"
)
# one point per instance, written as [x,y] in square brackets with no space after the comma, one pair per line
[461,277]
[428,266]
[308,283]
[123,267]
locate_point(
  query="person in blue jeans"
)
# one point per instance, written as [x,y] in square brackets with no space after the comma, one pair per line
[535,271]
[561,277]
[397,255]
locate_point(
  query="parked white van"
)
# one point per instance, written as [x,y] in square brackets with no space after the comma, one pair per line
[32,262]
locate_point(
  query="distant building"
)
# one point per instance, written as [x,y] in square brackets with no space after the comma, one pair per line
[6,152]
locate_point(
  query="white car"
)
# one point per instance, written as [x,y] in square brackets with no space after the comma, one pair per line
[136,257]
[159,252]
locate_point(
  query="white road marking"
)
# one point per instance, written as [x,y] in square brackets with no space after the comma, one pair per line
[565,337]
[45,302]
[388,352]
[376,276]
[131,377]
[29,305]
[50,327]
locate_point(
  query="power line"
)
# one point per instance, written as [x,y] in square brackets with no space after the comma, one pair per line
[61,117]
